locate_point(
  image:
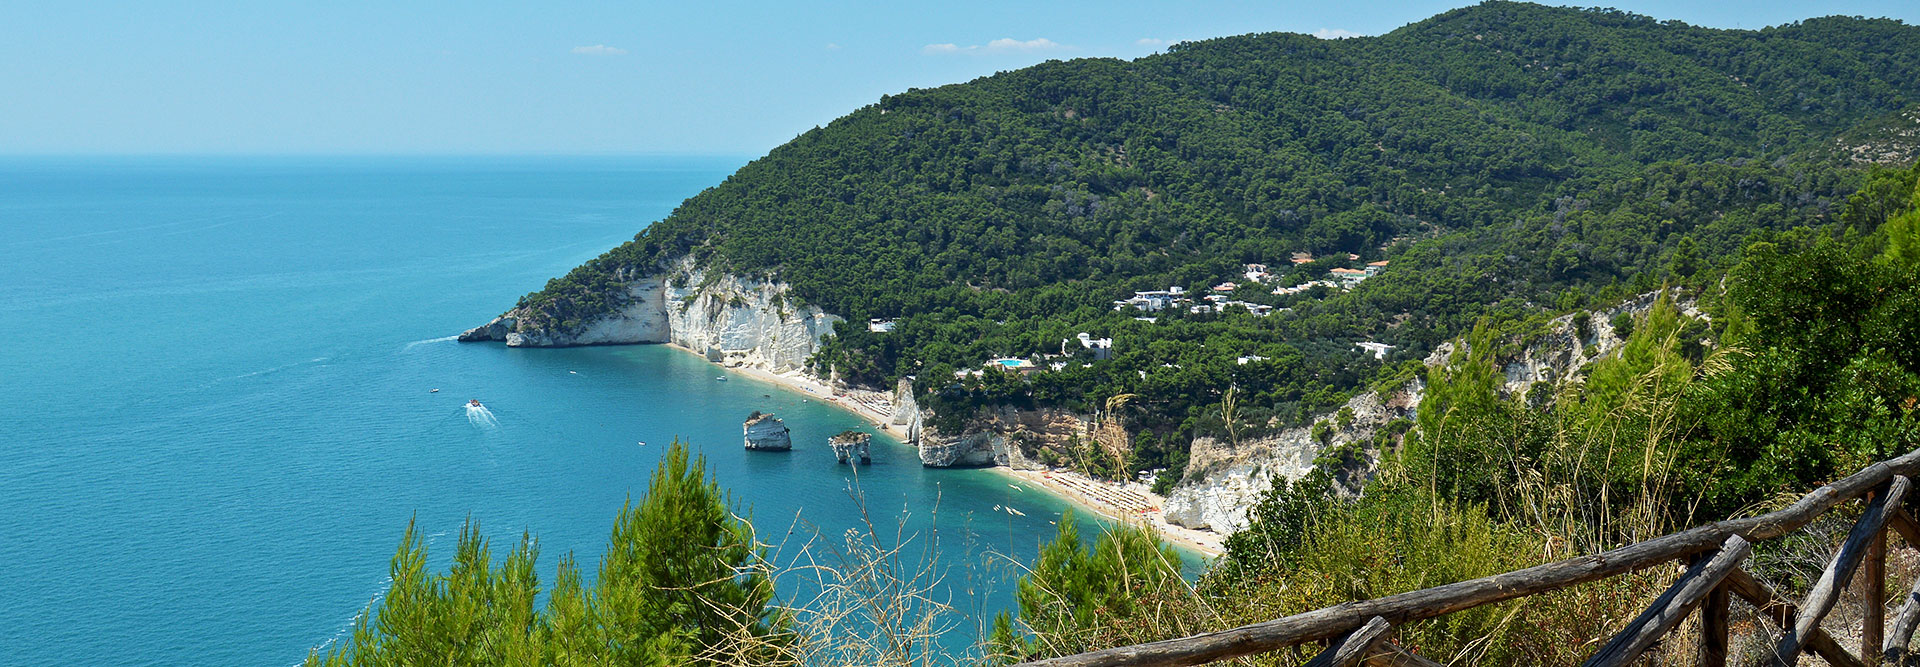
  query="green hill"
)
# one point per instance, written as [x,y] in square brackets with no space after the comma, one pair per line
[1507,158]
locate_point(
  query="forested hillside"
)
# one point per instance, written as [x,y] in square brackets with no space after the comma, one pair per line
[1807,367]
[1508,159]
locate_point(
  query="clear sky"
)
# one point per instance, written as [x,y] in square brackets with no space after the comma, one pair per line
[478,76]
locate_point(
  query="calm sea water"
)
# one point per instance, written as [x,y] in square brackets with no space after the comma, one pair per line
[215,417]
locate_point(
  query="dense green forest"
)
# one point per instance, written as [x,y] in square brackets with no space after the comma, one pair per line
[1506,158]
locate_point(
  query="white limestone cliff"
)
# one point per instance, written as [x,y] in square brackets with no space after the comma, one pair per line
[731,320]
[1225,480]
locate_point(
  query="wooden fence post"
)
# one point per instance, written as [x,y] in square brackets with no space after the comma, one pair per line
[1874,620]
[1713,627]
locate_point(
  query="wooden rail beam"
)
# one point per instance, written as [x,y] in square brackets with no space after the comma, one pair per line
[1395,655]
[1353,647]
[1894,651]
[1672,606]
[1904,524]
[1839,572]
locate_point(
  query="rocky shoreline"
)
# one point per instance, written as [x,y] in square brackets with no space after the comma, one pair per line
[750,327]
[740,325]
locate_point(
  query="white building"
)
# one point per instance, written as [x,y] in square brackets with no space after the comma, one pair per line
[1379,350]
[1102,347]
[1151,300]
[1257,273]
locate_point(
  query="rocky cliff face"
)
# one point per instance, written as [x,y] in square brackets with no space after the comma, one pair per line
[1007,436]
[971,449]
[1224,480]
[732,320]
[1561,352]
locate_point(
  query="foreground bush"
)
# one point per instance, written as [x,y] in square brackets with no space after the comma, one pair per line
[682,582]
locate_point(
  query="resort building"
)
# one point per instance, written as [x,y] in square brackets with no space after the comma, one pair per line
[1151,300]
[1102,347]
[1348,277]
[1379,350]
[1257,273]
[1374,268]
[1258,309]
[878,325]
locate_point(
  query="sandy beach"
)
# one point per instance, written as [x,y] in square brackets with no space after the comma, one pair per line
[1130,503]
[871,406]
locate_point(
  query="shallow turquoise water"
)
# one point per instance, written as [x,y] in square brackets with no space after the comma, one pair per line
[215,419]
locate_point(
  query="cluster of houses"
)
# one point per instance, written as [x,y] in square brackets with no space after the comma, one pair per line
[1176,297]
[1341,278]
[1102,349]
[1220,300]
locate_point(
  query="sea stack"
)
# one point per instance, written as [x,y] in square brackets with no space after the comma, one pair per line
[765,433]
[851,445]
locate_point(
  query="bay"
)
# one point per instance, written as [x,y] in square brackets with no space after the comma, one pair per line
[216,417]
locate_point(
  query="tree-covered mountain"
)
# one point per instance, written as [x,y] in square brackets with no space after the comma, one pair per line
[1508,158]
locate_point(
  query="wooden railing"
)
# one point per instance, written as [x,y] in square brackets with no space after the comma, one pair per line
[1359,632]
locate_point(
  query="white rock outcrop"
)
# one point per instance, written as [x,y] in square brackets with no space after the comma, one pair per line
[764,432]
[732,320]
[967,450]
[1224,480]
[852,446]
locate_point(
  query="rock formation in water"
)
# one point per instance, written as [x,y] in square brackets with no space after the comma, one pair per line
[764,432]
[851,446]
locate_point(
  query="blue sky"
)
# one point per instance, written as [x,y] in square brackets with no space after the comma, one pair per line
[347,76]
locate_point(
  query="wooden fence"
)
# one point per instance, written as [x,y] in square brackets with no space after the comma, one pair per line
[1359,632]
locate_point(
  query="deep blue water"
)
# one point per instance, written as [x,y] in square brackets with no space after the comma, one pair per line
[215,420]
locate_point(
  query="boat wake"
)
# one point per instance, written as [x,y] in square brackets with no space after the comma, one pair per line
[442,339]
[481,417]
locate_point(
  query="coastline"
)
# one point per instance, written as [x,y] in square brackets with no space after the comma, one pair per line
[1085,492]
[1082,491]
[798,382]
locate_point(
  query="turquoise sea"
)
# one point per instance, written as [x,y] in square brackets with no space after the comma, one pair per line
[215,416]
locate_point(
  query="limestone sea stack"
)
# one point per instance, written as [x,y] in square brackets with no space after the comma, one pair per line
[764,432]
[851,445]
